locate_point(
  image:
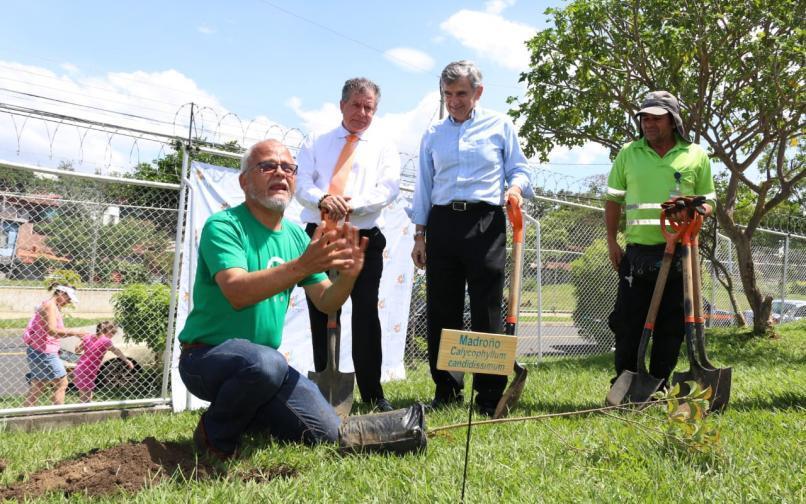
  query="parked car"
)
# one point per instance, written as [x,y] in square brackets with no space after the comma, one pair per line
[718,318]
[783,311]
[113,373]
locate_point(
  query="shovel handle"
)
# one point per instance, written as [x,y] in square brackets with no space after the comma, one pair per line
[699,319]
[678,230]
[516,218]
[660,286]
[688,291]
[332,320]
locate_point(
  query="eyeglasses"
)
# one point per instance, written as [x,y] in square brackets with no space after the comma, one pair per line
[270,166]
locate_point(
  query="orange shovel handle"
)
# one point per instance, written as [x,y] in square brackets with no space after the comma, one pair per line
[516,218]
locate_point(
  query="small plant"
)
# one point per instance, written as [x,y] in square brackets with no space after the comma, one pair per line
[687,418]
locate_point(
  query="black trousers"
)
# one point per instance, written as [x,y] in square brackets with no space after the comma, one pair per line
[367,351]
[638,273]
[465,247]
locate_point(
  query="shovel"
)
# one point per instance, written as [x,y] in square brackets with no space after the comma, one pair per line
[337,387]
[700,370]
[638,387]
[512,394]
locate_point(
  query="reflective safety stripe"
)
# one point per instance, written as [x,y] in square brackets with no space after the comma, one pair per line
[710,196]
[615,192]
[644,222]
[644,206]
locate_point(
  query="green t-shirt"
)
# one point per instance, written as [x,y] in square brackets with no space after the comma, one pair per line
[641,180]
[233,238]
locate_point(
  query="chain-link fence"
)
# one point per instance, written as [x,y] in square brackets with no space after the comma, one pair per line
[114,241]
[567,290]
[779,260]
[569,287]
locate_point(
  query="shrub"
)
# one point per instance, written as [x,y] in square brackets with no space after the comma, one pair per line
[63,277]
[142,311]
[595,284]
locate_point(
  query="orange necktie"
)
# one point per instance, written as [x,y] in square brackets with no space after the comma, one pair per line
[342,170]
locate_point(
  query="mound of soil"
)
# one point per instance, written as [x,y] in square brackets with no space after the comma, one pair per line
[126,467]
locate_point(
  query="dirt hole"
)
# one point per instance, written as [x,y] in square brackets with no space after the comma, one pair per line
[129,467]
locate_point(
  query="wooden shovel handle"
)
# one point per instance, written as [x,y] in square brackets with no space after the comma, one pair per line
[516,218]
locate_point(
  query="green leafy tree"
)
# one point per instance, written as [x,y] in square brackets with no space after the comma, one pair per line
[131,250]
[737,67]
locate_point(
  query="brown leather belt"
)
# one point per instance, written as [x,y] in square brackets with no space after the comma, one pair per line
[191,346]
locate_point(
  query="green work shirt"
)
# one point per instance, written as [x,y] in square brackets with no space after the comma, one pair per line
[233,238]
[641,180]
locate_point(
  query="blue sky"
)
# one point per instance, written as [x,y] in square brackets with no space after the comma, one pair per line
[264,61]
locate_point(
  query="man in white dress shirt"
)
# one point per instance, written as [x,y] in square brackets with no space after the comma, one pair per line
[368,182]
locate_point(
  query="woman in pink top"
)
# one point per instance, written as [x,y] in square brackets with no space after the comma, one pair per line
[42,339]
[92,350]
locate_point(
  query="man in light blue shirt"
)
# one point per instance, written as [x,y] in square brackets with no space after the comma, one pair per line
[470,164]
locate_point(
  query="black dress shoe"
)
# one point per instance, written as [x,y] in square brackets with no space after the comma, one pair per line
[487,403]
[440,402]
[382,405]
[486,409]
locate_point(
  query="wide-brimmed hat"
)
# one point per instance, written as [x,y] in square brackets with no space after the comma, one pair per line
[71,292]
[662,103]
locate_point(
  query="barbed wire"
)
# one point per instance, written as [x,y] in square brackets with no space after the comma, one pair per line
[132,139]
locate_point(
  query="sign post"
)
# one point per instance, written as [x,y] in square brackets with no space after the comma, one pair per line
[475,352]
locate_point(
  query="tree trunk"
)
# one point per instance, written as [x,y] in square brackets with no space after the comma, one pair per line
[759,303]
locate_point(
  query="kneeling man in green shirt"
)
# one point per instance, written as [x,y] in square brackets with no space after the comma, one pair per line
[250,258]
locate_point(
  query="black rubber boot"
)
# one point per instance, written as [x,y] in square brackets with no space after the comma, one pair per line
[399,431]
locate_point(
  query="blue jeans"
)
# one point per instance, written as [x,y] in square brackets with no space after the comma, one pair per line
[251,387]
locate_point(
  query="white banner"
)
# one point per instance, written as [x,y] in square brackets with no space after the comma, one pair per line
[214,188]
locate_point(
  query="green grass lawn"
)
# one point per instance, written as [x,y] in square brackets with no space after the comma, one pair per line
[760,457]
[555,298]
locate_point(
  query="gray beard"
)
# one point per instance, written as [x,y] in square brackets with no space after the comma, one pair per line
[276,204]
[273,203]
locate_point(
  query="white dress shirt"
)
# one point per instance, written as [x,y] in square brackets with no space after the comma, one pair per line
[373,182]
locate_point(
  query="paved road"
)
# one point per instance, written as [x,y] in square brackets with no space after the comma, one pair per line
[12,363]
[555,339]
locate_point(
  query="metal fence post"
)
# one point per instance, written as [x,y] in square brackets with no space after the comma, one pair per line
[180,226]
[95,235]
[784,261]
[539,293]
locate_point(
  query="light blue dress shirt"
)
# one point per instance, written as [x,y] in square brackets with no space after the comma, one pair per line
[473,161]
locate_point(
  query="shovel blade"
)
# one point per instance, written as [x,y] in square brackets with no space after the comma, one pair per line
[337,388]
[718,379]
[632,387]
[513,393]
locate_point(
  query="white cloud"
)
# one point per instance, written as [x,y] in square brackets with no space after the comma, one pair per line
[324,118]
[492,36]
[206,29]
[148,101]
[69,68]
[496,6]
[405,128]
[410,60]
[589,153]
